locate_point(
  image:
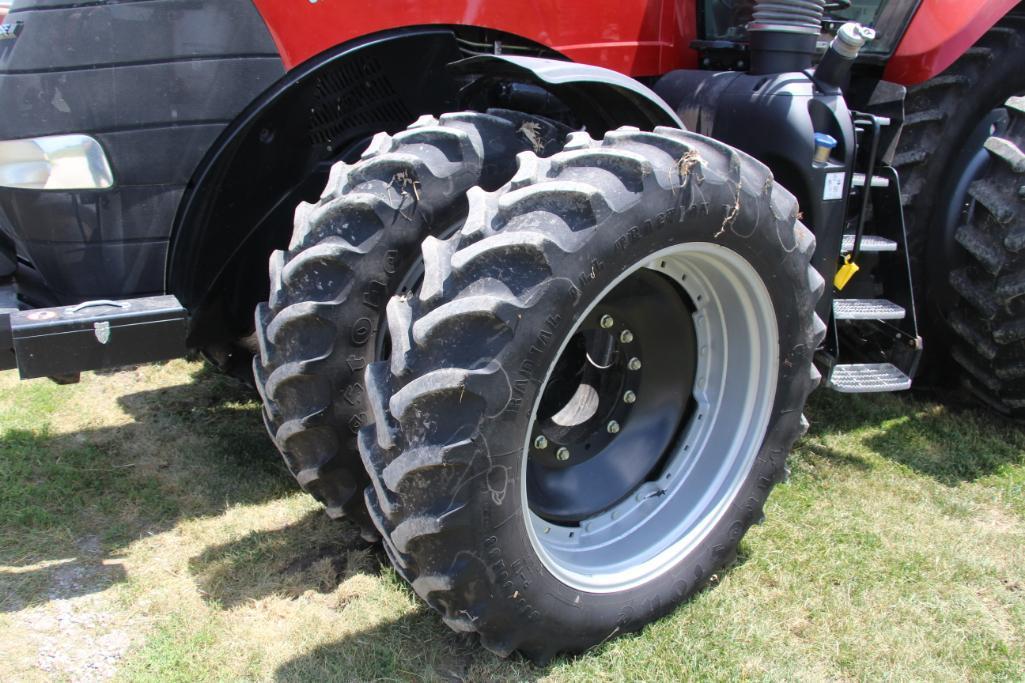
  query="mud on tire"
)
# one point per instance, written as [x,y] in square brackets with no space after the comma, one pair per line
[988,312]
[941,114]
[349,253]
[454,407]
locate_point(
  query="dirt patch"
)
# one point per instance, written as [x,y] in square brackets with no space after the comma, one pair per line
[79,638]
[75,632]
[995,520]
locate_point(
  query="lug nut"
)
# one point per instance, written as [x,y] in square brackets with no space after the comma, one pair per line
[634,364]
[541,442]
[612,427]
[629,396]
[626,336]
[607,321]
[562,454]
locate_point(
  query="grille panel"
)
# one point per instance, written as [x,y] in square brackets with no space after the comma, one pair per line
[356,95]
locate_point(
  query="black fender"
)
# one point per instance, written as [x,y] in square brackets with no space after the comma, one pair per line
[240,203]
[602,98]
[241,200]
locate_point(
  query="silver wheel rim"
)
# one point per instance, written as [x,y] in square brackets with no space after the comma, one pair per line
[664,520]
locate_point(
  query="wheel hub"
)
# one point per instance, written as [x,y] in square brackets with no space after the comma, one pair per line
[705,355]
[613,402]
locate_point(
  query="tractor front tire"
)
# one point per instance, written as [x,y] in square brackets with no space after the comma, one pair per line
[594,391]
[349,253]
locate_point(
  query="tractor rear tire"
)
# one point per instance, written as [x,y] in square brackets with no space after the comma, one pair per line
[988,311]
[941,121]
[349,253]
[666,278]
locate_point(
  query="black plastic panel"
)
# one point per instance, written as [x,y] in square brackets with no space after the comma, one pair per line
[8,303]
[126,97]
[91,217]
[8,259]
[156,82]
[95,244]
[85,36]
[158,155]
[75,272]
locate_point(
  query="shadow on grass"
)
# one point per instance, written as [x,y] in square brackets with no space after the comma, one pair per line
[419,646]
[311,555]
[62,580]
[414,647]
[316,553]
[191,450]
[952,442]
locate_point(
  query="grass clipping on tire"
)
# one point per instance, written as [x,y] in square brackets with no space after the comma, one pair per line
[470,352]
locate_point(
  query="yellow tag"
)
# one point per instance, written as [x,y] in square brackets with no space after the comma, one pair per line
[845,273]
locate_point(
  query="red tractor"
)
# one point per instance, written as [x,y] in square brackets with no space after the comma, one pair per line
[561,277]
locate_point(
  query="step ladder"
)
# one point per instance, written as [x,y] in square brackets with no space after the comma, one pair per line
[863,378]
[874,344]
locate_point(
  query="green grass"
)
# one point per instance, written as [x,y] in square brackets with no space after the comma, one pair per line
[149,532]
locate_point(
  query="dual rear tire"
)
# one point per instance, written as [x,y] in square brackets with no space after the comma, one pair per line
[349,253]
[588,396]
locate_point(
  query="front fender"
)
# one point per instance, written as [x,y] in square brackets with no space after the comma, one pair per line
[603,98]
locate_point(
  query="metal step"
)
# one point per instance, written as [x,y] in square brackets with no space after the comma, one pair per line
[867,378]
[869,243]
[858,180]
[866,309]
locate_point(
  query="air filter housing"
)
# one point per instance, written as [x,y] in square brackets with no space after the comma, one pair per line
[783,34]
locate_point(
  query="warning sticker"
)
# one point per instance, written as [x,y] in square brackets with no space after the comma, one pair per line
[834,186]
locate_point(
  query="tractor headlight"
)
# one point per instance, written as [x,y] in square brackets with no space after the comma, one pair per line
[55,162]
